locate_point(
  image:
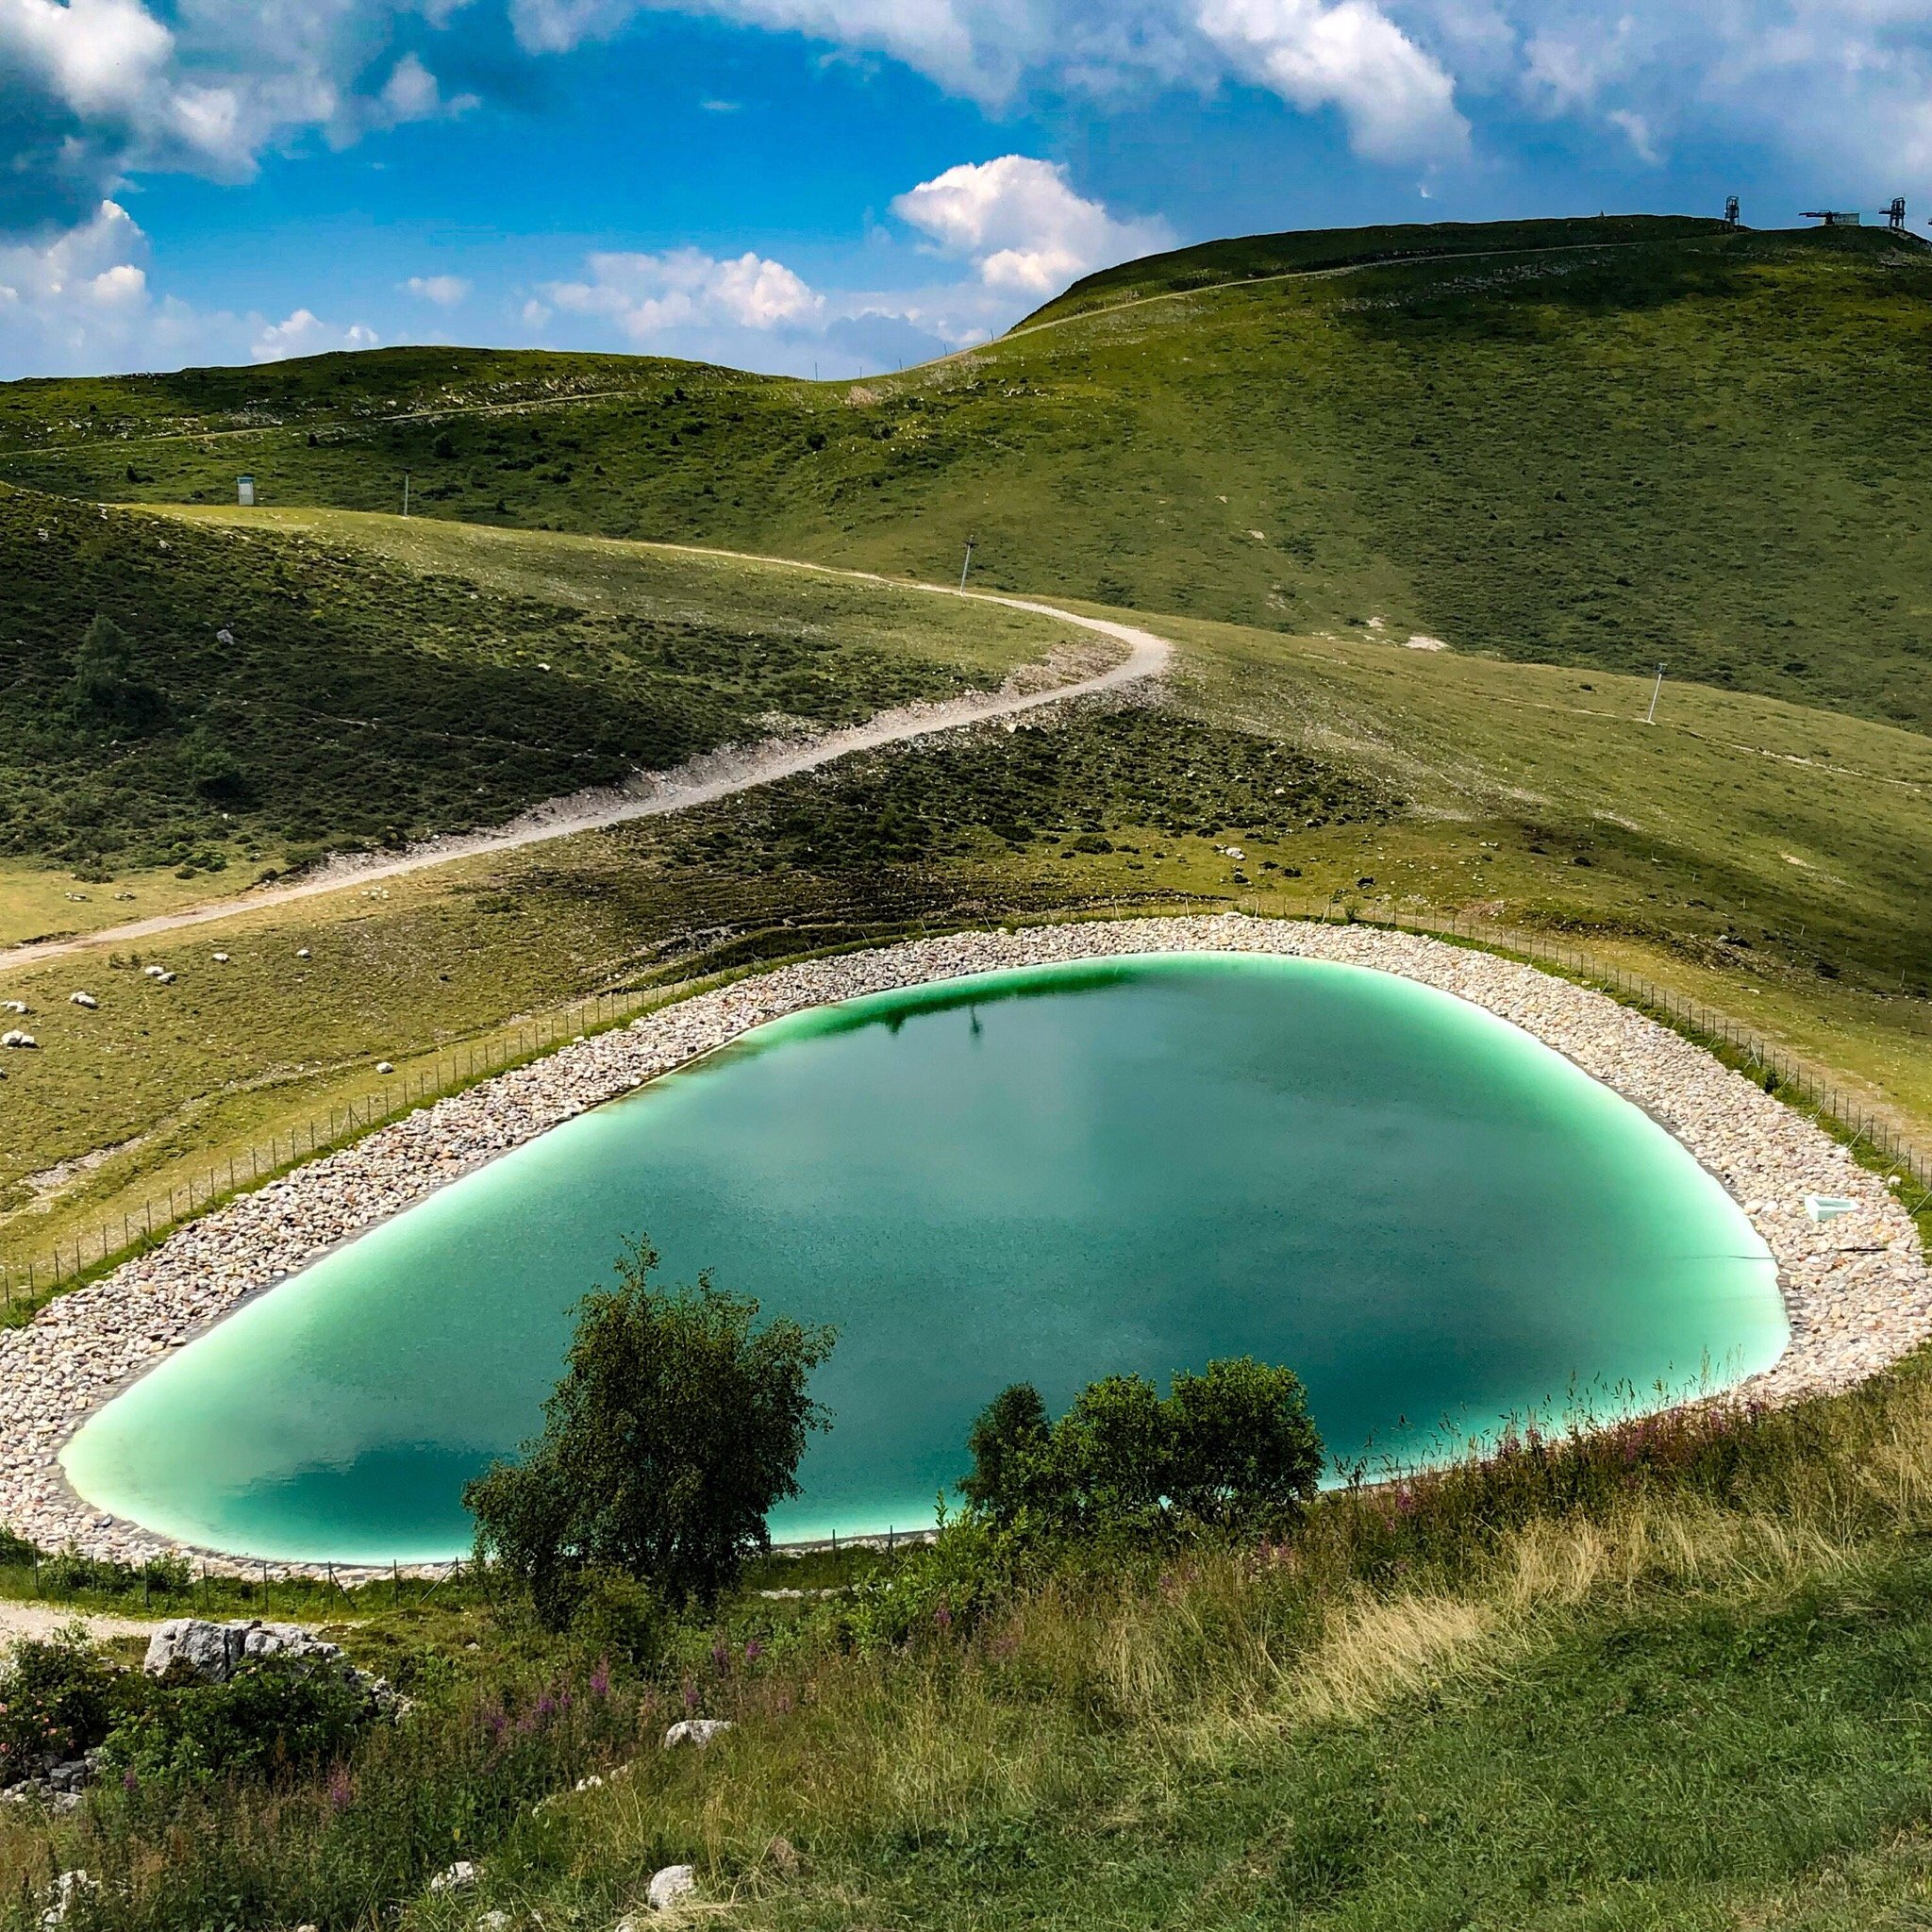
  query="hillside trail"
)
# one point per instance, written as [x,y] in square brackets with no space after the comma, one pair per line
[699,781]
[40,1619]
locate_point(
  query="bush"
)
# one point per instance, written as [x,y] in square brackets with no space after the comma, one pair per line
[1231,1448]
[676,1428]
[57,1700]
[271,1717]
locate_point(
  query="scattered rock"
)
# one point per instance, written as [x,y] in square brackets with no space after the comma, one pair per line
[14,1036]
[782,1856]
[221,958]
[457,1878]
[695,1730]
[670,1888]
[384,1067]
[82,999]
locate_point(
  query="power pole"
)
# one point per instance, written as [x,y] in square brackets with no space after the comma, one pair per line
[967,566]
[1650,716]
[406,492]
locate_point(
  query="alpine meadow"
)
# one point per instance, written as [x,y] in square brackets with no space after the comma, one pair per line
[1536,611]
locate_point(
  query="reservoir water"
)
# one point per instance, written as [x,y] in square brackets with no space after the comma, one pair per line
[1046,1175]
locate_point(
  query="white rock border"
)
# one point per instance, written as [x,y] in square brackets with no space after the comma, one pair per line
[1856,1288]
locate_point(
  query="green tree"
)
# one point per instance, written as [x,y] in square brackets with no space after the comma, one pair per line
[1233,1447]
[106,686]
[1243,1449]
[1007,1442]
[678,1425]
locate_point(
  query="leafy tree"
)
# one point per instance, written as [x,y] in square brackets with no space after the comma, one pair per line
[1007,1442]
[1243,1447]
[107,686]
[1233,1447]
[678,1425]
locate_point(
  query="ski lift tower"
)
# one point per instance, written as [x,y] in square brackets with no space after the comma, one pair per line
[1730,211]
[1833,217]
[1895,215]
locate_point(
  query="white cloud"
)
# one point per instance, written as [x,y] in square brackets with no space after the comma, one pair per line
[305,333]
[1023,228]
[81,301]
[444,290]
[647,295]
[1399,103]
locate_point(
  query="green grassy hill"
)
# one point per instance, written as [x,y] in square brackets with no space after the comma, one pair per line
[289,690]
[1608,444]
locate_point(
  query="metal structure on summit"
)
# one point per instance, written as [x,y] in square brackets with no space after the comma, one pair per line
[1731,216]
[1852,217]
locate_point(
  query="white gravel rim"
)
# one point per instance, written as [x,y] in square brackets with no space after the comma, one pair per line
[1857,1289]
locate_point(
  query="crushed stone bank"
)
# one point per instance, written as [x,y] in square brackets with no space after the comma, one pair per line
[1856,1288]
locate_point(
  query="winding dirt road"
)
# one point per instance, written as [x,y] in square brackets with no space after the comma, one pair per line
[716,774]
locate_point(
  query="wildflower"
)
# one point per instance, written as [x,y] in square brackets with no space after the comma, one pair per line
[752,1650]
[340,1791]
[546,1706]
[721,1658]
[129,1780]
[600,1680]
[943,1617]
[690,1696]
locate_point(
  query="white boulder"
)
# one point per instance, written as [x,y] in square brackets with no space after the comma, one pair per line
[457,1877]
[82,999]
[695,1730]
[670,1888]
[14,1036]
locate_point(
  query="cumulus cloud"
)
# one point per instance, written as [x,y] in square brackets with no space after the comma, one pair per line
[1022,224]
[305,333]
[444,290]
[1398,101]
[81,300]
[647,295]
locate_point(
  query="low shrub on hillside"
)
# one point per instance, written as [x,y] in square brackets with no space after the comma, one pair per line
[1098,772]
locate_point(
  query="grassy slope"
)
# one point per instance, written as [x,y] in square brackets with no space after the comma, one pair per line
[1452,783]
[393,686]
[1677,445]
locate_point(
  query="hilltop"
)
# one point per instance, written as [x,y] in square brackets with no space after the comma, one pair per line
[1594,444]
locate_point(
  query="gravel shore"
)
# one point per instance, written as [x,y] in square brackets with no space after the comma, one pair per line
[1856,1288]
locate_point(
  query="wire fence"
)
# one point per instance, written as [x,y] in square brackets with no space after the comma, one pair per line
[24,1286]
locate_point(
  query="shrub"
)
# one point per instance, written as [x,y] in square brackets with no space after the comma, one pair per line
[676,1426]
[270,1718]
[1233,1447]
[57,1700]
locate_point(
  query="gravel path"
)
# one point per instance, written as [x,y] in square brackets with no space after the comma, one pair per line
[716,774]
[1856,1288]
[43,1619]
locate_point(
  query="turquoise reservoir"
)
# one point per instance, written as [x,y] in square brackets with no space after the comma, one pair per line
[1048,1175]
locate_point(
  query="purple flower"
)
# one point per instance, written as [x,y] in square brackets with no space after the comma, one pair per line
[129,1780]
[943,1617]
[752,1650]
[546,1706]
[721,1658]
[600,1681]
[690,1696]
[339,1791]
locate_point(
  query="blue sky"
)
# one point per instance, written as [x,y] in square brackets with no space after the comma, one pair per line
[842,185]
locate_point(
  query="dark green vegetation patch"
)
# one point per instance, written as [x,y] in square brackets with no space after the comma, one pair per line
[252,683]
[1102,772]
